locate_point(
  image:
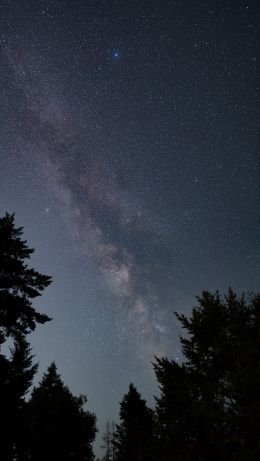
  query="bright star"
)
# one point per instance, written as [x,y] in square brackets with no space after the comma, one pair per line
[116,54]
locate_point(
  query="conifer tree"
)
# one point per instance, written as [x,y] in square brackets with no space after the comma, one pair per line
[61,428]
[134,437]
[21,373]
[19,285]
[209,406]
[107,443]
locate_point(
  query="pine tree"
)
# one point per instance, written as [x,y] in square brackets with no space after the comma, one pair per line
[209,407]
[22,371]
[61,428]
[16,379]
[134,437]
[19,285]
[107,443]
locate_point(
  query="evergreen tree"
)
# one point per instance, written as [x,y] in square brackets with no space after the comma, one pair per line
[209,407]
[61,428]
[21,374]
[18,286]
[18,283]
[134,437]
[109,442]
[6,409]
[16,379]
[22,370]
[107,446]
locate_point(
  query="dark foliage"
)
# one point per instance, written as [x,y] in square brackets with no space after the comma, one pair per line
[18,283]
[60,427]
[209,407]
[53,425]
[16,378]
[134,437]
[109,442]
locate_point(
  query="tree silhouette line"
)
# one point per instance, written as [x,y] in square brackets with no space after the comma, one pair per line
[208,407]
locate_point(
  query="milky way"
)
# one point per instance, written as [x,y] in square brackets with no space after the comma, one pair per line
[129,154]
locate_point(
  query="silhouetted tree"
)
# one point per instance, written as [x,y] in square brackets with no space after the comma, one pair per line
[134,437]
[107,443]
[18,286]
[209,407]
[6,410]
[60,427]
[21,374]
[16,378]
[18,283]
[113,453]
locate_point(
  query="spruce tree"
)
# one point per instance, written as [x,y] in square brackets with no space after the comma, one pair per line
[134,437]
[209,406]
[21,373]
[107,443]
[60,427]
[19,285]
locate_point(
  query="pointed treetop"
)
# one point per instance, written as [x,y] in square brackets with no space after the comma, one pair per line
[18,283]
[51,378]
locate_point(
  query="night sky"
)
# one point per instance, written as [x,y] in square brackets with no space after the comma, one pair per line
[129,153]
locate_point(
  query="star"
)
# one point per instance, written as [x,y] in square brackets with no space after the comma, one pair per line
[129,155]
[116,55]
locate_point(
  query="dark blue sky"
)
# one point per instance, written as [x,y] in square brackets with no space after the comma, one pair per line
[129,153]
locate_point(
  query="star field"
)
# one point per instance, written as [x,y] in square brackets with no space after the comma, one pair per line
[129,153]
